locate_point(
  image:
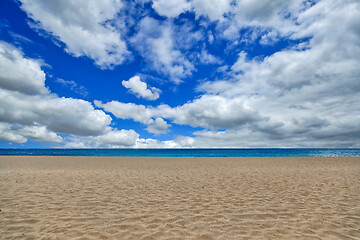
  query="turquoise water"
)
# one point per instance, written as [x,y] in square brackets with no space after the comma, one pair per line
[268,152]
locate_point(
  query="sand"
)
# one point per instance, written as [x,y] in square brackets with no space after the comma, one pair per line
[179,198]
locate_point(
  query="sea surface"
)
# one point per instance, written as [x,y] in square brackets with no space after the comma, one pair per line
[263,152]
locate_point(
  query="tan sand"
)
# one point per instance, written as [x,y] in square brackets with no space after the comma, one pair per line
[179,198]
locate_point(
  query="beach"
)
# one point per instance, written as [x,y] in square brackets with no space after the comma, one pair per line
[179,198]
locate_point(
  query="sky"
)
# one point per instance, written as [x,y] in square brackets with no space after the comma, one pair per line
[179,74]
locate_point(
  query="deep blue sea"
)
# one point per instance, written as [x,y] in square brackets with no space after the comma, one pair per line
[268,152]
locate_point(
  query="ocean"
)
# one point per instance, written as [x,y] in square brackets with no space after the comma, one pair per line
[263,152]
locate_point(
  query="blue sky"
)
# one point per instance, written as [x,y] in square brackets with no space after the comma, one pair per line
[180,73]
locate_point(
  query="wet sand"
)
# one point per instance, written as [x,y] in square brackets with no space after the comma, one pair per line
[179,198]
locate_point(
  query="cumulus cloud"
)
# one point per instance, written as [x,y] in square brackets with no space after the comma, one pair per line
[40,115]
[263,13]
[14,132]
[63,115]
[27,104]
[20,74]
[112,139]
[158,126]
[41,133]
[171,9]
[214,9]
[213,112]
[7,133]
[309,94]
[138,113]
[140,89]
[83,26]
[125,139]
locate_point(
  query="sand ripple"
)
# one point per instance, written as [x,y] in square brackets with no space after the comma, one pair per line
[190,198]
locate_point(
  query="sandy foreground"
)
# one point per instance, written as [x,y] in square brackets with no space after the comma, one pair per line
[179,198]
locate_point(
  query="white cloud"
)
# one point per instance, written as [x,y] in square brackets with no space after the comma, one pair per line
[84,26]
[28,110]
[171,9]
[112,139]
[310,95]
[133,111]
[62,115]
[138,113]
[179,142]
[140,89]
[243,13]
[267,19]
[18,73]
[185,142]
[158,126]
[214,112]
[264,16]
[269,38]
[155,43]
[265,12]
[40,133]
[20,134]
[210,36]
[214,9]
[210,111]
[168,58]
[7,133]
[208,58]
[153,143]
[42,115]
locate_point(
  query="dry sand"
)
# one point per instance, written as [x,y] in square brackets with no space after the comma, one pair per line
[179,198]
